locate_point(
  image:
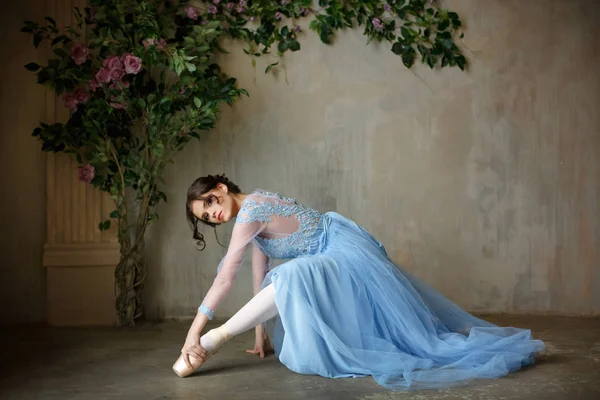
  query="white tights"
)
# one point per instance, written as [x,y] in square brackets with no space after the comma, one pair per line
[259,309]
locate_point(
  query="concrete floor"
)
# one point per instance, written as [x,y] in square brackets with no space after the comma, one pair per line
[104,363]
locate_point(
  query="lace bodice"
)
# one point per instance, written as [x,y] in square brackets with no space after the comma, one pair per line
[278,226]
[293,225]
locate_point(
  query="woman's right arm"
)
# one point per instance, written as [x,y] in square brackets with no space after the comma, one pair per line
[242,235]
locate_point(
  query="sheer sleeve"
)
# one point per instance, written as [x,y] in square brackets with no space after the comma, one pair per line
[260,267]
[244,231]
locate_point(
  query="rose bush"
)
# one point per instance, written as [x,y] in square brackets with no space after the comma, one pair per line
[143,83]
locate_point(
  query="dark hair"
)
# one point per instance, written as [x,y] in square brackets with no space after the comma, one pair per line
[197,189]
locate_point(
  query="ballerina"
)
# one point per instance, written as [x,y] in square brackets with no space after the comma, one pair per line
[342,307]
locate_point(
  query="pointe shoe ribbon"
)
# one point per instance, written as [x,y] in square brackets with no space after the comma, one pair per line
[218,336]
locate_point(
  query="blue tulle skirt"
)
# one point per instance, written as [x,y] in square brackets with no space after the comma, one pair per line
[349,311]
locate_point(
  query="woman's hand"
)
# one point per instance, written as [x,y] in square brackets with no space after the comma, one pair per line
[262,344]
[192,348]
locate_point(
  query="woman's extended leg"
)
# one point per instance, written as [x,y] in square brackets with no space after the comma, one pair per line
[259,309]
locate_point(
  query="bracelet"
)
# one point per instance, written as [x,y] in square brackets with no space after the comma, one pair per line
[206,311]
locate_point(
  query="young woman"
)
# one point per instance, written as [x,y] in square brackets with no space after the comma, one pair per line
[343,308]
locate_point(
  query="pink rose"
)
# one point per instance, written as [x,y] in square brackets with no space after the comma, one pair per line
[79,53]
[86,173]
[81,95]
[116,74]
[113,62]
[191,13]
[133,64]
[94,84]
[71,101]
[103,76]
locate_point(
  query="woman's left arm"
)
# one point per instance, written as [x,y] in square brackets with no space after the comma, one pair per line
[260,268]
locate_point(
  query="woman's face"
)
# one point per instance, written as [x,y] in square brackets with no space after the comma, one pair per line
[217,206]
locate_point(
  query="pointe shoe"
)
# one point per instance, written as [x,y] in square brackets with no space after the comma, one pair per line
[181,368]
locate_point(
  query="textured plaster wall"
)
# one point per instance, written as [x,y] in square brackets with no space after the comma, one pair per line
[22,170]
[484,183]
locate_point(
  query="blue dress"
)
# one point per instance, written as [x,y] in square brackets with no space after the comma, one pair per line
[347,310]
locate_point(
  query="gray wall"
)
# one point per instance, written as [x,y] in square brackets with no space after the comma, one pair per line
[22,170]
[483,183]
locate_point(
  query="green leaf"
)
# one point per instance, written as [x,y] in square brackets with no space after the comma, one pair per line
[397,48]
[37,39]
[165,105]
[461,61]
[408,56]
[61,53]
[104,226]
[282,47]
[444,61]
[153,217]
[197,102]
[158,149]
[190,67]
[51,20]
[115,214]
[31,24]
[294,45]
[270,66]
[325,34]
[32,67]
[65,39]
[430,60]
[442,26]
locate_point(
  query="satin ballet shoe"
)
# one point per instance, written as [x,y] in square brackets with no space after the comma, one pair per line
[219,337]
[181,368]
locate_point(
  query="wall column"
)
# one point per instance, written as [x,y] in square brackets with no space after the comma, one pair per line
[79,258]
